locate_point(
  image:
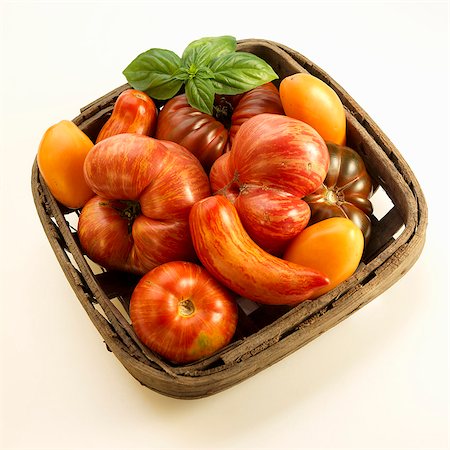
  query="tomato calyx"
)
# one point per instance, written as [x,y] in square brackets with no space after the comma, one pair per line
[186,307]
[334,196]
[222,111]
[129,211]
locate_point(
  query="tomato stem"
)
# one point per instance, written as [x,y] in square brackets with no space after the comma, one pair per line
[222,111]
[186,308]
[129,212]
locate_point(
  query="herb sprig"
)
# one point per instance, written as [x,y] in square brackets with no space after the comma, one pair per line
[208,66]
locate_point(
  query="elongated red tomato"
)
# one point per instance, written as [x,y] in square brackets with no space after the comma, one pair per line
[233,258]
[182,313]
[134,112]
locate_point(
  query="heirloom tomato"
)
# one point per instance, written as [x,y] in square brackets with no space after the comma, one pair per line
[145,189]
[182,313]
[346,190]
[60,158]
[232,257]
[206,136]
[309,99]
[133,112]
[275,161]
[333,246]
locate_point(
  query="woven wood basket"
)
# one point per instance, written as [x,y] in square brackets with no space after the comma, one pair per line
[265,334]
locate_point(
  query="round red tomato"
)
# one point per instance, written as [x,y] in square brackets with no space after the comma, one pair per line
[182,313]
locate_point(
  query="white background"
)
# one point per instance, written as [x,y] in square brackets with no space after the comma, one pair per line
[377,380]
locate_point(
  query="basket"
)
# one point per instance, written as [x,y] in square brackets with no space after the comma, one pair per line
[265,334]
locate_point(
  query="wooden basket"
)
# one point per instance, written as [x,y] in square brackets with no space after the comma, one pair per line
[265,334]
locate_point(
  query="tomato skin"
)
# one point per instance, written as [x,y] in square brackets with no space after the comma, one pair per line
[182,313]
[307,98]
[232,257]
[134,112]
[333,246]
[275,161]
[199,132]
[60,158]
[145,189]
[262,99]
[206,136]
[346,190]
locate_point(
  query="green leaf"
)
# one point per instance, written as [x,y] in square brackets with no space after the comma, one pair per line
[202,51]
[200,94]
[153,72]
[239,72]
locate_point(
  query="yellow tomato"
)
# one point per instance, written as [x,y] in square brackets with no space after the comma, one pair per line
[307,98]
[333,246]
[60,158]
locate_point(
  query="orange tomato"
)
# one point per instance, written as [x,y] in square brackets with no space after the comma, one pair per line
[60,158]
[333,246]
[307,98]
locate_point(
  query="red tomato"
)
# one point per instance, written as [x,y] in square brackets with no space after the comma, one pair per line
[275,161]
[134,112]
[333,246]
[346,190]
[180,312]
[145,189]
[232,257]
[208,137]
[310,100]
[60,158]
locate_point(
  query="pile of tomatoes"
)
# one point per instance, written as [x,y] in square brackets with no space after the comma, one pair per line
[262,200]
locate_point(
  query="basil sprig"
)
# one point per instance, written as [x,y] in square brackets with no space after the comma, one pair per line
[208,66]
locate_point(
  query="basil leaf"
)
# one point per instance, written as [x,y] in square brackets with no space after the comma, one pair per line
[200,94]
[153,72]
[239,72]
[204,73]
[202,51]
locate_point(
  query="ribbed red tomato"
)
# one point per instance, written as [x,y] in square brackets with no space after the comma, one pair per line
[275,162]
[145,189]
[206,136]
[346,190]
[182,313]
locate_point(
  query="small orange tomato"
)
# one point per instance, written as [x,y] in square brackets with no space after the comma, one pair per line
[307,98]
[60,158]
[133,112]
[333,246]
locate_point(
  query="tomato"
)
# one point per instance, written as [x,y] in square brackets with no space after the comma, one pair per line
[346,190]
[145,189]
[180,312]
[232,257]
[134,112]
[275,161]
[333,246]
[309,99]
[206,136]
[60,158]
